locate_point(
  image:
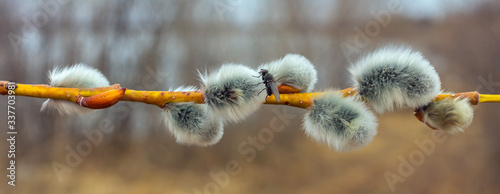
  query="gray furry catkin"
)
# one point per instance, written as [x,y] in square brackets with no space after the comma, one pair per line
[232,92]
[450,115]
[191,124]
[344,124]
[293,70]
[395,77]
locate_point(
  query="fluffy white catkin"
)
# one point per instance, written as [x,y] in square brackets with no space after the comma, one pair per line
[232,91]
[395,76]
[191,124]
[344,124]
[449,115]
[76,76]
[293,70]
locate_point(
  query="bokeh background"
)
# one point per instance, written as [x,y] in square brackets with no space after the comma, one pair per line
[155,45]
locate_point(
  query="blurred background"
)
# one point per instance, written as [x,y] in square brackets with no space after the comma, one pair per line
[155,45]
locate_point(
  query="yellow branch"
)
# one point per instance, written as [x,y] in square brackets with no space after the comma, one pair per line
[489,98]
[160,98]
[46,91]
[473,96]
[288,95]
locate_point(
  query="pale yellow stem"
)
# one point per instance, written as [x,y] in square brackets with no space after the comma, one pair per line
[160,98]
[489,98]
[46,91]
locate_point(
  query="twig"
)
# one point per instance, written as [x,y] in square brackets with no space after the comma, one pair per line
[104,97]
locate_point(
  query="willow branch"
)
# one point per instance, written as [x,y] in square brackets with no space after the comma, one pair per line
[104,97]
